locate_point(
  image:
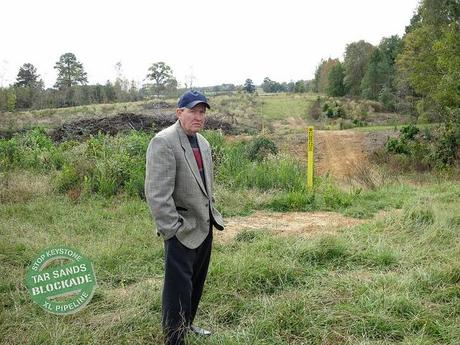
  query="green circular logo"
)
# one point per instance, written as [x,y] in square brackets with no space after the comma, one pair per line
[61,280]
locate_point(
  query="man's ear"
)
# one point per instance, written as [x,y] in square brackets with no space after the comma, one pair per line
[178,113]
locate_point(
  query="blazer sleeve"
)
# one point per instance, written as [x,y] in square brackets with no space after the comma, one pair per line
[160,178]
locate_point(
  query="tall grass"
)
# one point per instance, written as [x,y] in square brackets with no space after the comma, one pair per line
[110,166]
[103,165]
[393,280]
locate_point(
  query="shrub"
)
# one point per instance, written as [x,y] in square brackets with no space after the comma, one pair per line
[134,186]
[427,151]
[401,144]
[118,163]
[67,179]
[373,106]
[333,110]
[397,146]
[32,150]
[409,132]
[105,165]
[445,150]
[9,153]
[359,123]
[260,148]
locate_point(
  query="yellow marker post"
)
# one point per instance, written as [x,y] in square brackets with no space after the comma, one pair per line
[310,156]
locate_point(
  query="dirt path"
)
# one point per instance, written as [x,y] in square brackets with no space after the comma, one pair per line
[291,223]
[337,153]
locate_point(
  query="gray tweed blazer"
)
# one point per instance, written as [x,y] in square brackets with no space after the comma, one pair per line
[179,201]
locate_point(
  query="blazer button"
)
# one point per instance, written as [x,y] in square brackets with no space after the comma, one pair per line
[206,205]
[207,221]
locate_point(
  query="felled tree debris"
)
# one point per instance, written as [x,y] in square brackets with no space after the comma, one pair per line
[124,122]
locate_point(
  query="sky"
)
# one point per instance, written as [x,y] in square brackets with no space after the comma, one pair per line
[213,41]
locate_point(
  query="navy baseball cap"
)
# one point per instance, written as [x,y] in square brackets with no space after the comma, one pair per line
[191,98]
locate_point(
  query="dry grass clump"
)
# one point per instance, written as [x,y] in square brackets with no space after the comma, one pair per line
[366,175]
[22,186]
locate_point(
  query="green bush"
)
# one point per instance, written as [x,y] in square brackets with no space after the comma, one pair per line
[280,173]
[409,132]
[237,171]
[445,149]
[104,165]
[118,163]
[333,110]
[33,150]
[397,146]
[9,153]
[359,123]
[401,145]
[217,141]
[436,149]
[134,186]
[260,148]
[67,178]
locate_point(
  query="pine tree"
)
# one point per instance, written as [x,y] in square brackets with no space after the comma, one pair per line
[249,86]
[70,72]
[27,76]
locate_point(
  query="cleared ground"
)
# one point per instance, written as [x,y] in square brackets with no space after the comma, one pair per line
[293,223]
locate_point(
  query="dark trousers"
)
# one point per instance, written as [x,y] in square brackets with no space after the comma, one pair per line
[185,274]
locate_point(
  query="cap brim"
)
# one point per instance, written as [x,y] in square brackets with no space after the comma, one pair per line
[192,104]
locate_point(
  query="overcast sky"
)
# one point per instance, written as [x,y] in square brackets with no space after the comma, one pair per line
[215,41]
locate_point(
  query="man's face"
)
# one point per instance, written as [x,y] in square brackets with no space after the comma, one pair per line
[192,120]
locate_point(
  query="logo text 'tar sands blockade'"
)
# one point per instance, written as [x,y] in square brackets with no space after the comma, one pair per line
[61,280]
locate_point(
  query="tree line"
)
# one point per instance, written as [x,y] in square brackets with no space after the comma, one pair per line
[367,71]
[418,73]
[72,89]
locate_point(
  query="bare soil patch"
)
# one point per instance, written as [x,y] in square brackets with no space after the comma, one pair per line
[292,223]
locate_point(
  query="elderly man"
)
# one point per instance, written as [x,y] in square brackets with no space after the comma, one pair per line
[178,189]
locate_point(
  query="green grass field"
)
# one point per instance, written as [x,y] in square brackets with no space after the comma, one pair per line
[282,106]
[393,279]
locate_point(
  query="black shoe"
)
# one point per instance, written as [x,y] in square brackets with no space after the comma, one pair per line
[200,331]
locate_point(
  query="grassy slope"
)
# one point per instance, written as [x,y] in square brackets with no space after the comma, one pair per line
[282,106]
[394,280]
[271,107]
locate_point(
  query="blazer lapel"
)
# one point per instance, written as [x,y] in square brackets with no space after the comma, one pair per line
[190,157]
[206,156]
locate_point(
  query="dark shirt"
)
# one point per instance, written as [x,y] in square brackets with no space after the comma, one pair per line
[197,153]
